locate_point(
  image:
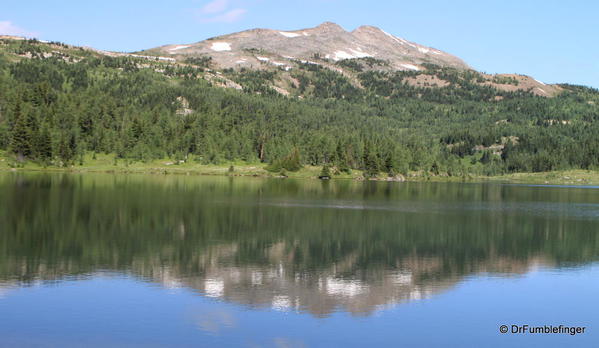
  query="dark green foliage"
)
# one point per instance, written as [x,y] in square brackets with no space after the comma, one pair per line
[350,64]
[53,110]
[66,147]
[505,80]
[255,81]
[43,145]
[325,173]
[359,64]
[291,162]
[22,135]
[203,62]
[324,83]
[371,160]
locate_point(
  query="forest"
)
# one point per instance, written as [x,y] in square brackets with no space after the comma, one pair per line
[55,108]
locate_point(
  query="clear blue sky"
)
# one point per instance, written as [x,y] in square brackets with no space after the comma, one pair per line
[552,40]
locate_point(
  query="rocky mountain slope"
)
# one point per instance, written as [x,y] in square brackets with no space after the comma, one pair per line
[328,41]
[302,63]
[367,48]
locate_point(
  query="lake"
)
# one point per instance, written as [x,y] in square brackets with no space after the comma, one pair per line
[101,260]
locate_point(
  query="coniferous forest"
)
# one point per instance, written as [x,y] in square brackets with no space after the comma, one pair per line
[59,102]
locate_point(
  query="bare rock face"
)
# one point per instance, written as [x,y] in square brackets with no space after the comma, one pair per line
[328,41]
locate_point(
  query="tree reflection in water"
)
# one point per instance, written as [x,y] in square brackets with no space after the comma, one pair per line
[284,244]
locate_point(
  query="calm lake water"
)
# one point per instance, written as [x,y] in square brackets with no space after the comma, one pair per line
[153,261]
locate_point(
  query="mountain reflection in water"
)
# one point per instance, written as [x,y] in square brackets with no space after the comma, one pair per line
[310,246]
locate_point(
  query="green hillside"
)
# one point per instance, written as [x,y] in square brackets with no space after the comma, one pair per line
[62,105]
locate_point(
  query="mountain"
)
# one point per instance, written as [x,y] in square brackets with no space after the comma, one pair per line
[329,45]
[328,41]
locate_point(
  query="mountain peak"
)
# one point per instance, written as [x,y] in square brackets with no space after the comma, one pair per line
[259,48]
[330,26]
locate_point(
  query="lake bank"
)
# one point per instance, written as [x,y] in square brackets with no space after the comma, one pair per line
[107,164]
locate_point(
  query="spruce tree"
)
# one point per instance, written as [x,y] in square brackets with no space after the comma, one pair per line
[371,167]
[21,142]
[44,144]
[325,173]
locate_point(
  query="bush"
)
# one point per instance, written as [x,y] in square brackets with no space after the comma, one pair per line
[325,173]
[291,162]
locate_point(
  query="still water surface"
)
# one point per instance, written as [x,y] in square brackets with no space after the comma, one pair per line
[144,261]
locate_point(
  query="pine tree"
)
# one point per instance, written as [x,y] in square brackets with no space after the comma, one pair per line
[66,147]
[371,167]
[325,173]
[21,142]
[293,161]
[44,144]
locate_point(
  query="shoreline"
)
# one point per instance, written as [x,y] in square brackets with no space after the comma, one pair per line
[103,163]
[569,177]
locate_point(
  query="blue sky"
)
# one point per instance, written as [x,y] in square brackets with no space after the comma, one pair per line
[552,40]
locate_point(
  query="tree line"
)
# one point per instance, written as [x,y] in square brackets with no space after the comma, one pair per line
[54,110]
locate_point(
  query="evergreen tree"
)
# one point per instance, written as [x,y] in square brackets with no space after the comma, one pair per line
[325,173]
[291,162]
[21,139]
[66,147]
[44,144]
[371,166]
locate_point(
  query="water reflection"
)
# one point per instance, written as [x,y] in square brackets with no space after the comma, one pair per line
[5,289]
[287,245]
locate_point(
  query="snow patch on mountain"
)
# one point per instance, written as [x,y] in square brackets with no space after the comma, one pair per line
[179,48]
[392,36]
[398,39]
[308,62]
[411,67]
[340,55]
[360,54]
[221,46]
[290,35]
